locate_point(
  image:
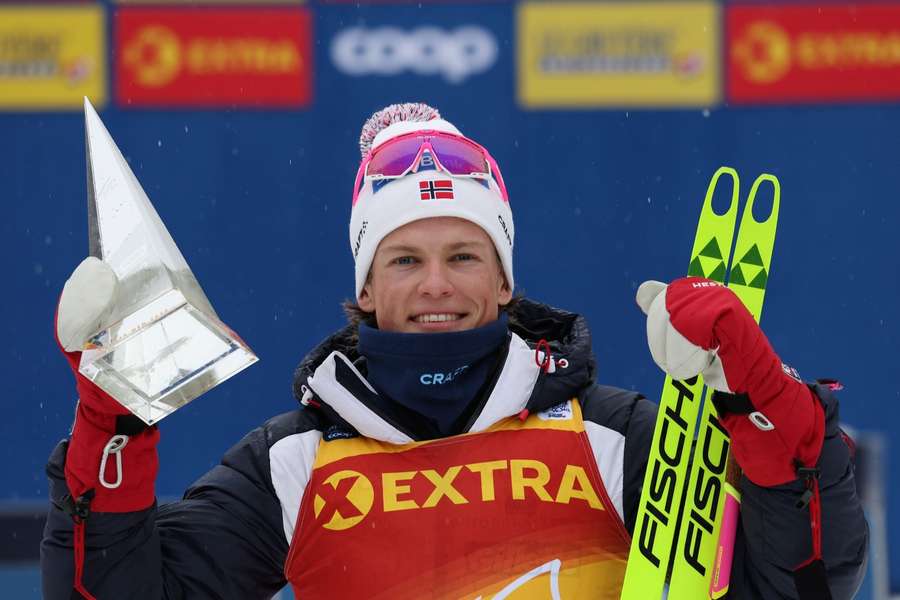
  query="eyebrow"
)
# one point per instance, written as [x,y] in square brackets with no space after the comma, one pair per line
[469,244]
[452,247]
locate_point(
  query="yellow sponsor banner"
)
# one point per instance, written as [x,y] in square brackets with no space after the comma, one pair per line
[52,56]
[586,54]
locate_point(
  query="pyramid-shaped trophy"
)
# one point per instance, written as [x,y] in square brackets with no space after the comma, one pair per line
[166,345]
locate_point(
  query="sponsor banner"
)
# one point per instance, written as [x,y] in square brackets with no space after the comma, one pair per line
[201,2]
[52,57]
[413,2]
[213,57]
[813,53]
[453,53]
[620,54]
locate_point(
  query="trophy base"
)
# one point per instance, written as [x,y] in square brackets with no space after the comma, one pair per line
[162,356]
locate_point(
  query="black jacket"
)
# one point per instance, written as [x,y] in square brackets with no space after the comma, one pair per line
[229,536]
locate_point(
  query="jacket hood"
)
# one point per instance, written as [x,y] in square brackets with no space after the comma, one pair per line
[566,332]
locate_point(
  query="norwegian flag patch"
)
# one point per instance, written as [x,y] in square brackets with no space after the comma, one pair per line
[436,189]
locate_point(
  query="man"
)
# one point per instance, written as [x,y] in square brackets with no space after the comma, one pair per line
[453,441]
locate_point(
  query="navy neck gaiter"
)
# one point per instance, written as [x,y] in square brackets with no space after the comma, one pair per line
[437,375]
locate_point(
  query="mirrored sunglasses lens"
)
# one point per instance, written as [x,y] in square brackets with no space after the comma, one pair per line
[394,158]
[458,157]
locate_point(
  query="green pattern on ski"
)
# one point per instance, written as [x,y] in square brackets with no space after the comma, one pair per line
[701,516]
[664,479]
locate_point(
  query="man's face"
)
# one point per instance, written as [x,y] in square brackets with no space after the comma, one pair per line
[437,274]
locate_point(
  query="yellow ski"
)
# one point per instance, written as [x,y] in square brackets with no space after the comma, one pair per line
[705,538]
[664,481]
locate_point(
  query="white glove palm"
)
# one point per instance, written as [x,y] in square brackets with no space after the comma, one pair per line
[671,351]
[86,303]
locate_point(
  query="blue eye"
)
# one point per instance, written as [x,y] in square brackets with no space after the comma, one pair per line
[404,260]
[464,257]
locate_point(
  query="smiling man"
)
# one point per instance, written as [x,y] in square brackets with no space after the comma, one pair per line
[453,441]
[432,275]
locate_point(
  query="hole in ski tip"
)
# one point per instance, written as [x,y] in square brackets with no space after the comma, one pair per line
[764,201]
[724,193]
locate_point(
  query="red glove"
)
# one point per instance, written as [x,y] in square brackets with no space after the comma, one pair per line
[697,326]
[104,430]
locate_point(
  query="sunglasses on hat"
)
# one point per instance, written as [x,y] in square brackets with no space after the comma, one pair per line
[451,153]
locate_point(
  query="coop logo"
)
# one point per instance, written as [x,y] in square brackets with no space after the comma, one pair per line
[560,412]
[227,57]
[455,54]
[346,497]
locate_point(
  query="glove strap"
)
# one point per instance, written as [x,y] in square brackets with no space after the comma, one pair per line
[738,404]
[79,561]
[810,577]
[129,425]
[79,509]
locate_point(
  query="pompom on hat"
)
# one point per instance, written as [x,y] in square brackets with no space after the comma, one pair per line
[381,209]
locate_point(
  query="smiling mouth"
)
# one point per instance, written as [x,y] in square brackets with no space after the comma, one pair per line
[437,317]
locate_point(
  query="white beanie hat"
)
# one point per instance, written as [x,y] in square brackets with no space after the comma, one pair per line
[381,209]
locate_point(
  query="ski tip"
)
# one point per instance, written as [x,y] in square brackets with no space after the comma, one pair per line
[711,189]
[776,199]
[723,169]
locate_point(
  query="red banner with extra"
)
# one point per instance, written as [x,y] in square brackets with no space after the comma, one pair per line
[213,57]
[813,53]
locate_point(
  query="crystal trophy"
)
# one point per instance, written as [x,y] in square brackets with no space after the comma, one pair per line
[166,345]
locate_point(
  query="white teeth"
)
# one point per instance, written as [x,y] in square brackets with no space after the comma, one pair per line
[436,318]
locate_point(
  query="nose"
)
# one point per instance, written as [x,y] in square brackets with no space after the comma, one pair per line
[436,280]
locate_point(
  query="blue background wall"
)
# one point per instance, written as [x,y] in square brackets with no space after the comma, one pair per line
[258,202]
